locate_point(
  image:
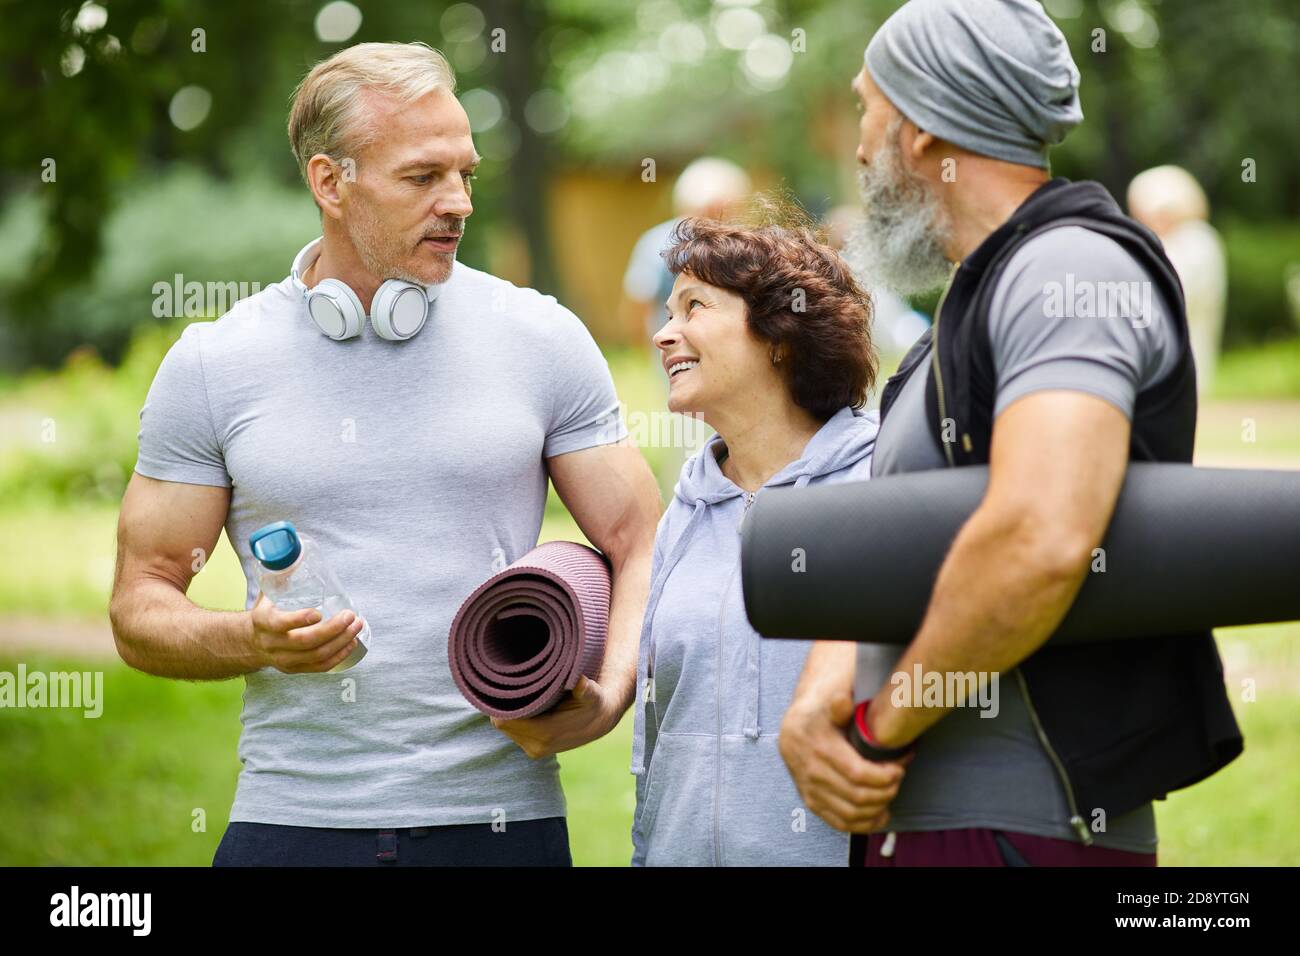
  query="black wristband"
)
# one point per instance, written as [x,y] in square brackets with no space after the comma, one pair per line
[860,737]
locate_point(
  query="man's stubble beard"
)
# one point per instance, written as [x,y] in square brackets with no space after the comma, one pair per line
[384,253]
[899,243]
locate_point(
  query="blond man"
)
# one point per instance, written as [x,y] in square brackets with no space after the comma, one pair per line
[406,411]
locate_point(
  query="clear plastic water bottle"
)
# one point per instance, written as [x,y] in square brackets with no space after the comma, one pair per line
[295,575]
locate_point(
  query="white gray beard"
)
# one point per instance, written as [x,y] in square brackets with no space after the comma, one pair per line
[899,243]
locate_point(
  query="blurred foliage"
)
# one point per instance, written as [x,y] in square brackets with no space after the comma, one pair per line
[595,83]
[1200,83]
[71,435]
[107,122]
[1177,82]
[108,130]
[1262,260]
[180,222]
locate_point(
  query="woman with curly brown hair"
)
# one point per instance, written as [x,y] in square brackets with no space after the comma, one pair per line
[767,338]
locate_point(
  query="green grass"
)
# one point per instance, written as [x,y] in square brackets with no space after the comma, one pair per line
[124,788]
[56,559]
[1265,371]
[1245,814]
[600,795]
[121,789]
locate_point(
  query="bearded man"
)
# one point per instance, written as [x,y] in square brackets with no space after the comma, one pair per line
[961,100]
[415,449]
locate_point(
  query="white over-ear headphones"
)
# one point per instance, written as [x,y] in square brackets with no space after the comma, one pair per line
[397,311]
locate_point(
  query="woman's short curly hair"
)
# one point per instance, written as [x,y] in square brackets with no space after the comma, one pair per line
[800,296]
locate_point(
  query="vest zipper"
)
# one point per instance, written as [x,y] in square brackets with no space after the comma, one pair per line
[1076,820]
[938,375]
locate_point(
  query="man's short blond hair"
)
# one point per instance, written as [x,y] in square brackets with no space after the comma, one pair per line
[326,111]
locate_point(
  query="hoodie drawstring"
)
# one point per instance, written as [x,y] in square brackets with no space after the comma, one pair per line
[754,666]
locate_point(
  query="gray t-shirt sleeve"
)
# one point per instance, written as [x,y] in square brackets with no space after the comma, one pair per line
[1074,311]
[178,440]
[584,405]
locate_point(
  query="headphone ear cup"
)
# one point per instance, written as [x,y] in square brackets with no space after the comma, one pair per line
[335,309]
[398,310]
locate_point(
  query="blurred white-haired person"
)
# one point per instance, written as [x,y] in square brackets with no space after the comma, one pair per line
[709,188]
[1170,202]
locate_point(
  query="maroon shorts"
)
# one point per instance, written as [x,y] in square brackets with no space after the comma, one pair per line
[984,847]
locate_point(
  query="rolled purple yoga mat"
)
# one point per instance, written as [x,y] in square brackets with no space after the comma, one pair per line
[526,634]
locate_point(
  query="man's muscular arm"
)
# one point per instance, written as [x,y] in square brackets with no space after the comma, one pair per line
[612,495]
[1058,460]
[158,630]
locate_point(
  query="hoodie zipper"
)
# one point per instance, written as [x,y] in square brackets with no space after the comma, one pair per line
[1076,820]
[717,701]
[749,500]
[717,714]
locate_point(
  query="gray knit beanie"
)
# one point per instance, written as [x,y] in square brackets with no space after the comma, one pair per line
[992,76]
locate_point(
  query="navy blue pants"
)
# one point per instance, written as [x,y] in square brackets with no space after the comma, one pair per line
[523,843]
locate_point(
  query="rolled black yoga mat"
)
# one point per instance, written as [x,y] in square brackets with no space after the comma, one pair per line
[1187,549]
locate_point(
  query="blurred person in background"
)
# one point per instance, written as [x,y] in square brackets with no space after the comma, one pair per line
[711,188]
[1171,203]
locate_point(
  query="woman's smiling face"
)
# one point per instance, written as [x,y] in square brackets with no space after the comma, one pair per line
[713,359]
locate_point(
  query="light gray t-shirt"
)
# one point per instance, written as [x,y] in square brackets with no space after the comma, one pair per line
[973,771]
[419,469]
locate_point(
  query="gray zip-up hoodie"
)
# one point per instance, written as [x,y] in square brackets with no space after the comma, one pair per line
[711,787]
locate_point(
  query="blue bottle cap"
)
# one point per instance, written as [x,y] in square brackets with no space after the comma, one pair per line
[276,545]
